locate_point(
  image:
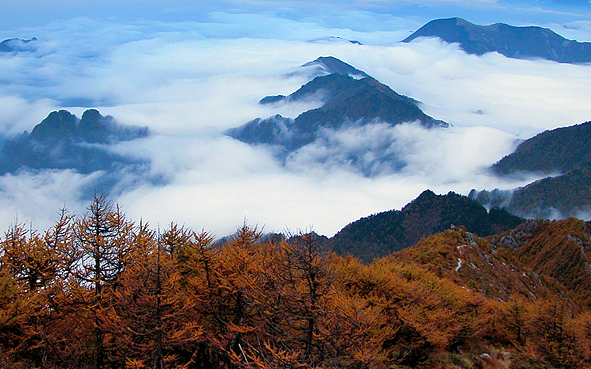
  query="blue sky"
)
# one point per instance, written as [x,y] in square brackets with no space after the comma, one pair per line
[29,13]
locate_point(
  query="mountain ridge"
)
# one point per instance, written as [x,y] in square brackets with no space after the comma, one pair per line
[64,141]
[347,102]
[563,156]
[380,234]
[15,45]
[510,41]
[559,249]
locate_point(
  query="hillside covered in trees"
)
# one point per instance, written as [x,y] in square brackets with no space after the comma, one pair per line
[381,234]
[563,155]
[100,291]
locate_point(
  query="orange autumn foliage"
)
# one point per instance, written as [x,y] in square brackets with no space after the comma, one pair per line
[100,291]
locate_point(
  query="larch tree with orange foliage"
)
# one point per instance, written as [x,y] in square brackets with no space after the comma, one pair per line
[104,239]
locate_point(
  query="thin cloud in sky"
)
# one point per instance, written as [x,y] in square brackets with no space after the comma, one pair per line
[31,13]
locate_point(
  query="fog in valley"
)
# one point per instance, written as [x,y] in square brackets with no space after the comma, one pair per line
[189,80]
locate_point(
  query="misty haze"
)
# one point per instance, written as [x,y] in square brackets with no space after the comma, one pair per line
[189,82]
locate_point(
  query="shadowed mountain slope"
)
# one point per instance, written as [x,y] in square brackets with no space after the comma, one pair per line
[513,42]
[564,152]
[380,234]
[347,103]
[555,151]
[64,141]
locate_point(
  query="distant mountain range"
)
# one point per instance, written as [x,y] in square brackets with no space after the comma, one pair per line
[349,97]
[14,45]
[513,42]
[381,234]
[64,141]
[563,155]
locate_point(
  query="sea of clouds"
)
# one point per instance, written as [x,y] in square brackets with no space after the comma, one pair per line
[189,81]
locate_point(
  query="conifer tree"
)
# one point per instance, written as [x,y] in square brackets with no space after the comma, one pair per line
[148,311]
[103,237]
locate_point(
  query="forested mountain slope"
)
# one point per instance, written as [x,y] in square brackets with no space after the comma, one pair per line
[563,155]
[381,234]
[173,299]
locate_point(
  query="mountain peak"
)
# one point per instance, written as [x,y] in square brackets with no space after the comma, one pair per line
[462,22]
[513,42]
[426,197]
[62,141]
[92,127]
[350,100]
[91,114]
[428,214]
[13,45]
[325,65]
[92,120]
[57,125]
[346,101]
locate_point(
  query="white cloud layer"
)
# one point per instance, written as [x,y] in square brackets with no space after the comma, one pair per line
[190,81]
